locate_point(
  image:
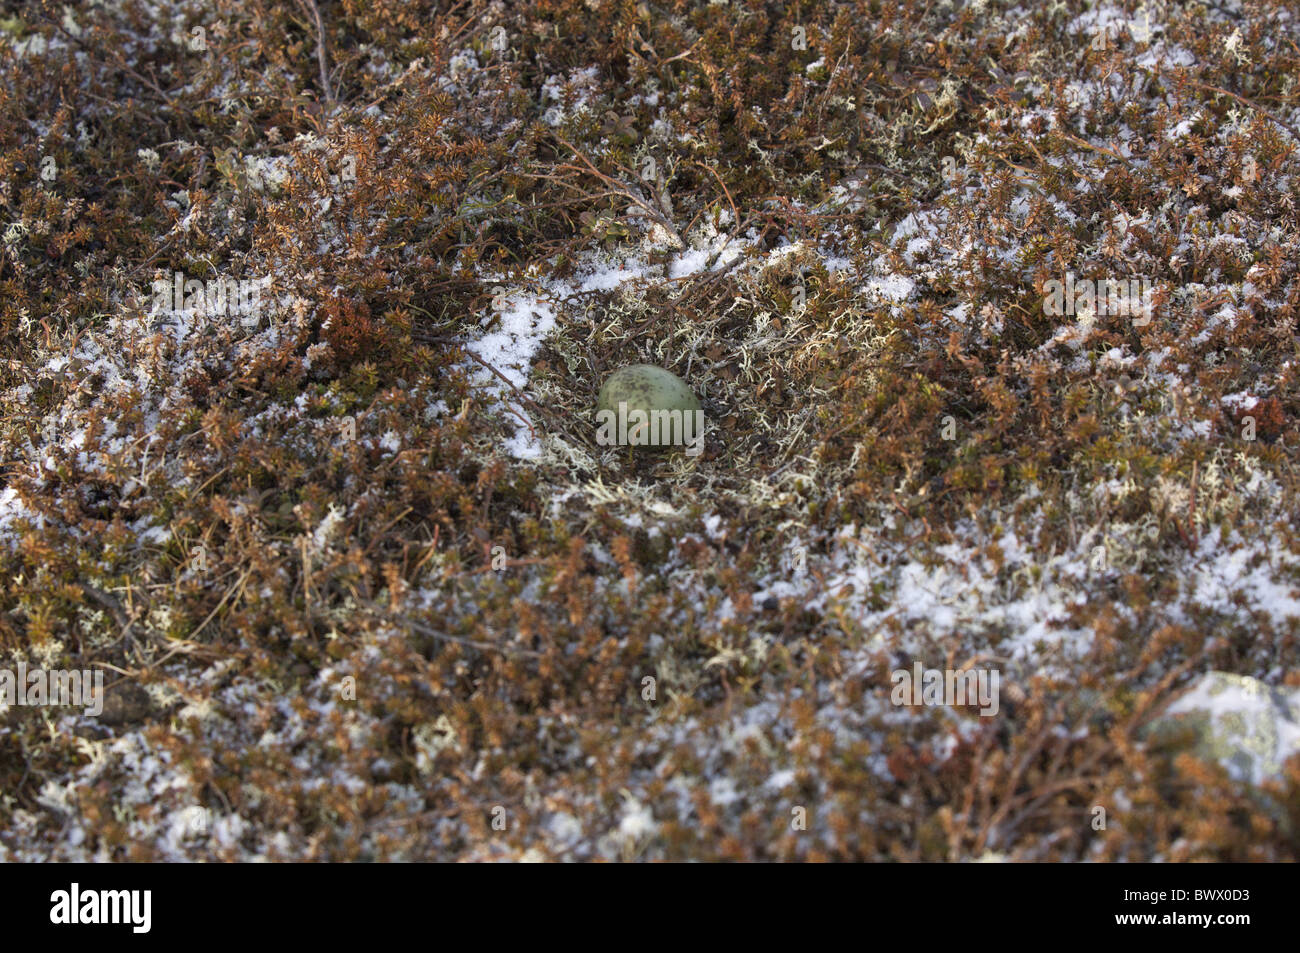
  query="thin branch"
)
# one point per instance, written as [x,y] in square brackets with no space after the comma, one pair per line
[626,191]
[470,643]
[310,8]
[1252,104]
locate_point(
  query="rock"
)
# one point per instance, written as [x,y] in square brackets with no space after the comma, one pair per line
[1234,720]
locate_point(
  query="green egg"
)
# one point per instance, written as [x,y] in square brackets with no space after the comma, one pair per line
[655,393]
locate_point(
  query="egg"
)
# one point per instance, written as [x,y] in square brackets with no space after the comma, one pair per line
[649,396]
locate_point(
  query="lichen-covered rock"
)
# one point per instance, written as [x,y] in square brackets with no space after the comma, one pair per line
[1237,721]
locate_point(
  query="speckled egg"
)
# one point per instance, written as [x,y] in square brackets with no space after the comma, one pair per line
[644,387]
